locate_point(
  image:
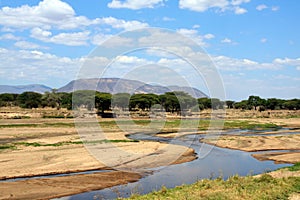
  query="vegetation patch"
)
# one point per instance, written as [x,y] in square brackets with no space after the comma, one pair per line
[57,116]
[295,167]
[58,124]
[5,146]
[249,125]
[37,144]
[264,187]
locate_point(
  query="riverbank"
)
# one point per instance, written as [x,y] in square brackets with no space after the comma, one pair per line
[47,188]
[39,147]
[286,141]
[279,184]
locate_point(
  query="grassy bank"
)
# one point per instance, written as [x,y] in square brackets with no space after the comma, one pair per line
[263,187]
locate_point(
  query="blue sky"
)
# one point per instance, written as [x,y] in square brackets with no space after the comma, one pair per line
[253,43]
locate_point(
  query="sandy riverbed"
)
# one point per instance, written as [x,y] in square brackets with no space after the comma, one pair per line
[22,160]
[262,143]
[27,160]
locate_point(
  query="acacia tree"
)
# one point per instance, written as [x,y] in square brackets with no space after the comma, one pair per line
[121,100]
[143,101]
[204,103]
[7,99]
[254,101]
[103,101]
[52,99]
[85,98]
[29,100]
[230,104]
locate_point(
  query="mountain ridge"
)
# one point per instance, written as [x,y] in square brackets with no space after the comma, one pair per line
[110,85]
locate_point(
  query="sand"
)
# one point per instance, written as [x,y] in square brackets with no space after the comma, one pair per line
[262,143]
[47,188]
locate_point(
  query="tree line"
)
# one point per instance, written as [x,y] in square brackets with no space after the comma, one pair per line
[175,101]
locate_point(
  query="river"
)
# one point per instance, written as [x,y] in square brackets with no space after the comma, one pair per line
[219,162]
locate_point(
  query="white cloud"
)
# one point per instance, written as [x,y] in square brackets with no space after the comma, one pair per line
[168,19]
[288,62]
[36,66]
[275,8]
[70,39]
[194,35]
[239,10]
[209,36]
[261,7]
[123,24]
[39,33]
[226,40]
[49,14]
[196,26]
[9,36]
[134,4]
[233,64]
[298,68]
[221,5]
[117,41]
[131,60]
[239,2]
[263,40]
[202,5]
[46,14]
[27,45]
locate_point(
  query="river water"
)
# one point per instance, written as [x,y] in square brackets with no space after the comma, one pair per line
[219,162]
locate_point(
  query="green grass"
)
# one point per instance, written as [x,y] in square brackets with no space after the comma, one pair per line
[17,125]
[235,188]
[58,124]
[169,124]
[249,125]
[37,144]
[295,167]
[6,146]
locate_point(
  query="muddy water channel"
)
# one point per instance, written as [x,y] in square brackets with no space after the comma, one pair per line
[218,162]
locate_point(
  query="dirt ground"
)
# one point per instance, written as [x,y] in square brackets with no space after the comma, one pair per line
[31,155]
[47,188]
[261,143]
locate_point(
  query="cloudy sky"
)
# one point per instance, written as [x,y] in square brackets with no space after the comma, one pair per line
[254,44]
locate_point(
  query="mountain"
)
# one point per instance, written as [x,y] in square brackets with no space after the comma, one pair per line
[24,88]
[117,85]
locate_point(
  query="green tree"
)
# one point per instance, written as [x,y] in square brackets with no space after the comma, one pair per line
[103,101]
[216,103]
[52,99]
[255,101]
[121,100]
[206,102]
[83,98]
[274,104]
[66,100]
[293,104]
[7,99]
[29,100]
[229,104]
[242,105]
[170,102]
[143,101]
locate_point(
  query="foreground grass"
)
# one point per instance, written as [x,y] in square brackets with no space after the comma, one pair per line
[234,188]
[264,187]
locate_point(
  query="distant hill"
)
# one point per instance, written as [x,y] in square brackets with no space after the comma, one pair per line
[110,85]
[24,88]
[116,85]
